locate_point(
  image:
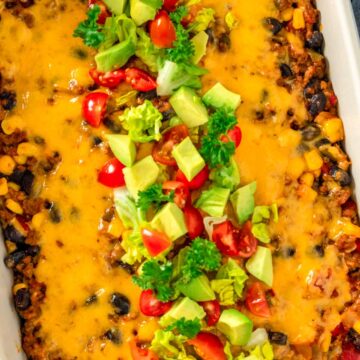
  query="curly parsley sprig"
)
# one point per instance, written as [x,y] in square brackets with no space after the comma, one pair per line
[188,328]
[153,196]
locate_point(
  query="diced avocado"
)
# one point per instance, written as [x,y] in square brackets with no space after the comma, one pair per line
[142,11]
[218,96]
[235,326]
[179,261]
[123,148]
[183,308]
[260,265]
[200,41]
[139,177]
[188,158]
[198,289]
[117,7]
[189,107]
[243,201]
[213,201]
[170,220]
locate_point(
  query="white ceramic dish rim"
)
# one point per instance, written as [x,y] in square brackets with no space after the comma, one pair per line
[343,53]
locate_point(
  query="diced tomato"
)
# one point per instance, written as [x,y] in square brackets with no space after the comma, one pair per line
[358,245]
[151,306]
[162,30]
[170,5]
[94,108]
[213,311]
[194,222]
[109,79]
[339,329]
[155,242]
[197,182]
[325,168]
[247,244]
[181,192]
[104,13]
[234,135]
[256,300]
[141,354]
[225,236]
[349,353]
[139,79]
[162,151]
[111,174]
[208,346]
[333,99]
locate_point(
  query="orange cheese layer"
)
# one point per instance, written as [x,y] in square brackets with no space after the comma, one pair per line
[73,262]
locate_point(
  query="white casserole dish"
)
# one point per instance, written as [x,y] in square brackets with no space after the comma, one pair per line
[343,52]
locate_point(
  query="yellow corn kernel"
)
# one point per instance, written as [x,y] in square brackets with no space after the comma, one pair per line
[38,220]
[3,187]
[313,160]
[356,326]
[14,206]
[296,43]
[116,227]
[307,193]
[298,19]
[289,137]
[10,246]
[20,159]
[11,123]
[7,165]
[14,186]
[296,167]
[27,149]
[333,129]
[341,226]
[19,286]
[307,179]
[287,14]
[351,229]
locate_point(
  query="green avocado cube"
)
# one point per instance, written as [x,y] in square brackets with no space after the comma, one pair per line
[139,177]
[218,96]
[198,289]
[170,220]
[117,7]
[260,265]
[213,201]
[123,148]
[188,158]
[142,11]
[243,201]
[199,41]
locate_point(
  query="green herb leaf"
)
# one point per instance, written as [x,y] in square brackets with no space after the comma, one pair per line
[89,30]
[153,196]
[222,120]
[177,15]
[188,328]
[156,277]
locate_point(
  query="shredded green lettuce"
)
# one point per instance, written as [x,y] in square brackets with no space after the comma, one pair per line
[143,122]
[203,19]
[126,99]
[133,245]
[126,209]
[226,176]
[260,217]
[230,20]
[213,201]
[225,290]
[264,352]
[261,232]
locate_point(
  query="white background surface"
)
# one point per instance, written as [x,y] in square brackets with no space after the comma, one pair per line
[343,52]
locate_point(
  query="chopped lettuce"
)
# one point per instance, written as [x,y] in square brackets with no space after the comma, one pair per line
[143,122]
[260,352]
[226,176]
[260,216]
[126,209]
[134,247]
[203,19]
[261,232]
[126,99]
[225,290]
[213,201]
[230,20]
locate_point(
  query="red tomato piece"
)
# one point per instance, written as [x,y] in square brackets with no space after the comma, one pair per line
[141,354]
[225,236]
[208,346]
[94,108]
[111,174]
[349,353]
[181,192]
[139,79]
[234,135]
[104,13]
[213,311]
[256,301]
[151,306]
[194,222]
[247,244]
[109,79]
[156,242]
[197,182]
[170,5]
[162,30]
[162,151]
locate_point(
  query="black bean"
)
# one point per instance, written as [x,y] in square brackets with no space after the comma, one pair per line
[24,178]
[287,251]
[9,4]
[54,213]
[273,25]
[13,235]
[315,42]
[210,33]
[112,125]
[224,42]
[96,140]
[22,299]
[312,87]
[127,267]
[120,303]
[277,338]
[80,53]
[317,103]
[14,258]
[294,125]
[91,299]
[286,71]
[303,148]
[147,95]
[322,142]
[93,87]
[168,114]
[8,99]
[354,338]
[113,335]
[319,250]
[341,176]
[310,132]
[32,250]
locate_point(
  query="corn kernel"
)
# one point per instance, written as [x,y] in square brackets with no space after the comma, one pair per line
[3,187]
[116,227]
[351,229]
[325,341]
[296,43]
[307,179]
[38,220]
[11,123]
[298,19]
[313,160]
[20,159]
[287,14]
[7,165]
[289,137]
[10,246]
[307,193]
[19,286]
[14,186]
[333,129]
[295,167]
[14,206]
[27,149]
[356,326]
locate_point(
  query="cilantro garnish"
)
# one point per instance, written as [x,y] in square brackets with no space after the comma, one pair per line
[157,277]
[153,196]
[188,328]
[89,30]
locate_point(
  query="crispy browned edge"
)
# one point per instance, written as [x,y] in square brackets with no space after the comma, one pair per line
[307,71]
